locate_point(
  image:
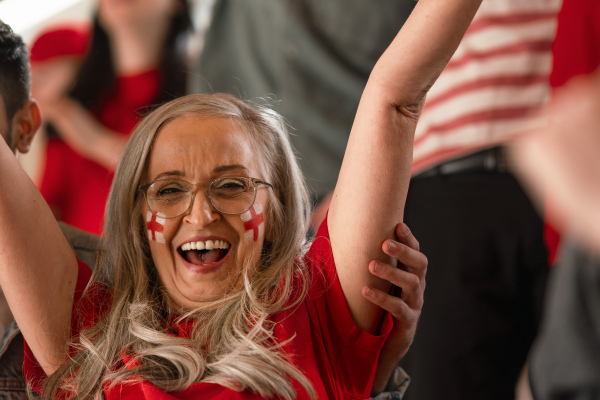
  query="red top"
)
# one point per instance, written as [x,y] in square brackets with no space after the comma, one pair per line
[575,52]
[337,357]
[575,48]
[76,187]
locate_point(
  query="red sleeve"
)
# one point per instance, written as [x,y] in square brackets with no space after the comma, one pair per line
[575,48]
[34,374]
[352,352]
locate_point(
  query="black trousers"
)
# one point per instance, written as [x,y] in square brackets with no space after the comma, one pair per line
[485,281]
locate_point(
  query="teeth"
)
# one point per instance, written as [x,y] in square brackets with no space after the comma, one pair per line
[208,245]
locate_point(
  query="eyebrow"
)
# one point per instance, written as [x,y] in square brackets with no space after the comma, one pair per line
[222,168]
[225,168]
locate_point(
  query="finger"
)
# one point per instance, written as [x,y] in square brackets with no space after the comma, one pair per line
[394,305]
[408,258]
[412,286]
[404,235]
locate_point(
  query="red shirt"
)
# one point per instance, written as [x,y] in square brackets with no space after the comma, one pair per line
[338,358]
[575,52]
[76,187]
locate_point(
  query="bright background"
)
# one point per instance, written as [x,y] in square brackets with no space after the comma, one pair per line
[26,17]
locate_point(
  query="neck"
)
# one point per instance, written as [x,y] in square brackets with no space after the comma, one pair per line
[138,50]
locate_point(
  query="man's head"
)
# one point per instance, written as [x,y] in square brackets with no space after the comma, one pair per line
[19,115]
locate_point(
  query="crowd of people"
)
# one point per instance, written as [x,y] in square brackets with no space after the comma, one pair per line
[192,247]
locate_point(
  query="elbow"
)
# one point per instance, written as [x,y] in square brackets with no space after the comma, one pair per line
[411,108]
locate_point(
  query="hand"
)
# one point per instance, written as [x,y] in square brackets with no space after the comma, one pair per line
[562,161]
[84,134]
[404,302]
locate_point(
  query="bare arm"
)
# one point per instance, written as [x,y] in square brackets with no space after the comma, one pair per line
[85,134]
[38,269]
[369,197]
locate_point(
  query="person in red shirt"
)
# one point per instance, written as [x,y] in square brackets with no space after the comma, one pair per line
[134,60]
[206,287]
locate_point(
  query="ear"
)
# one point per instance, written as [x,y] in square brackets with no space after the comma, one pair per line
[26,123]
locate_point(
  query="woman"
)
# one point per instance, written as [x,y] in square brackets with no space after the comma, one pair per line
[135,60]
[214,293]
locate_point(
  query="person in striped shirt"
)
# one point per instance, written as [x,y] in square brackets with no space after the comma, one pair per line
[482,236]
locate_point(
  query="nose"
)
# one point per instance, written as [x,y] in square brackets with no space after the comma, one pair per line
[201,213]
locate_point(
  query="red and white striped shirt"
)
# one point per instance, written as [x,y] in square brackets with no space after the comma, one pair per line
[494,83]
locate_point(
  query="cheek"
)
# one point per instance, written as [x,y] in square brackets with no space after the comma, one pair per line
[155,227]
[254,223]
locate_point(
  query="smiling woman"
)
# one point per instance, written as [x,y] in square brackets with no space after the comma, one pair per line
[209,289]
[199,140]
[208,151]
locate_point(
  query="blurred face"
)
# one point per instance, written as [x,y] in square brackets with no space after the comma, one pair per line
[198,150]
[136,14]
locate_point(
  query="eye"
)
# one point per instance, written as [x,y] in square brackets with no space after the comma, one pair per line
[168,191]
[229,187]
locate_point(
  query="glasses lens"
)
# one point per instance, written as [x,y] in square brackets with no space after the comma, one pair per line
[169,197]
[232,195]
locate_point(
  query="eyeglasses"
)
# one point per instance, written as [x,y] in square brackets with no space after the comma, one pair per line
[171,198]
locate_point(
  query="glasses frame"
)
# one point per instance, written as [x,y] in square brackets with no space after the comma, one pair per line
[195,187]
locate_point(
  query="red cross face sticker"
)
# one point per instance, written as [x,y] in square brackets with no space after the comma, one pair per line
[155,227]
[254,222]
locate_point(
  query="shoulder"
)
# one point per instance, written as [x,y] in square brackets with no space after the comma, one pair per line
[61,40]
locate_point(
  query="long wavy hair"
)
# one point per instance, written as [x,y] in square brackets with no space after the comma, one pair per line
[232,343]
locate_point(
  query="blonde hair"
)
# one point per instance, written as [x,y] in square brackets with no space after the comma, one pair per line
[232,343]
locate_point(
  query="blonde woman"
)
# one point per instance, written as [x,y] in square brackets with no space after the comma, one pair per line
[215,294]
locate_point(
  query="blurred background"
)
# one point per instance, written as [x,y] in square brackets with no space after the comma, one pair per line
[29,17]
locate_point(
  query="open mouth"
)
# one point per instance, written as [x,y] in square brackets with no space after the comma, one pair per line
[204,252]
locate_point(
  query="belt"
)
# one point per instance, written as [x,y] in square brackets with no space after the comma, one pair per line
[493,159]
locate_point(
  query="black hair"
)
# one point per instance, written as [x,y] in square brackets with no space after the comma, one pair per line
[15,76]
[96,77]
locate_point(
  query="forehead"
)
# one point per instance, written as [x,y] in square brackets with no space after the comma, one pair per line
[201,148]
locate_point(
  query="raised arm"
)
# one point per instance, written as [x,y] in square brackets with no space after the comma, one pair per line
[369,197]
[38,269]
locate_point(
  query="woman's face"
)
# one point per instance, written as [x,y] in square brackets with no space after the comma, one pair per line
[199,149]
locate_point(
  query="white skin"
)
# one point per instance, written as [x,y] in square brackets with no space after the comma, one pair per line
[198,150]
[18,132]
[367,203]
[137,29]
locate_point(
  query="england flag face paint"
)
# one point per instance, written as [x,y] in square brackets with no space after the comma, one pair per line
[155,226]
[254,222]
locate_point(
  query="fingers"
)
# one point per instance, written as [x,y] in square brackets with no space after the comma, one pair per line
[392,304]
[409,259]
[405,236]
[412,285]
